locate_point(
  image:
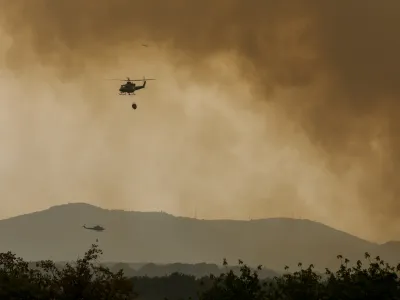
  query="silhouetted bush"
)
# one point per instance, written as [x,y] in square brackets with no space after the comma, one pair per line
[378,280]
[86,279]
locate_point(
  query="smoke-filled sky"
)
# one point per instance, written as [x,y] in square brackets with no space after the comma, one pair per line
[260,108]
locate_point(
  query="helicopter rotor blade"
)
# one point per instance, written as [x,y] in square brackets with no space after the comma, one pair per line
[144,79]
[128,79]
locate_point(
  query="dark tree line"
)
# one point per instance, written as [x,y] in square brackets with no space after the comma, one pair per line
[86,279]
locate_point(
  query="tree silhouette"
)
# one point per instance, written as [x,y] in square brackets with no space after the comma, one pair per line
[378,280]
[246,286]
[85,280]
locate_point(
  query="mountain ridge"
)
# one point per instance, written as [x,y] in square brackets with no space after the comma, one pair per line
[56,233]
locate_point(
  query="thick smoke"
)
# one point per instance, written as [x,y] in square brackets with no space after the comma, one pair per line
[331,67]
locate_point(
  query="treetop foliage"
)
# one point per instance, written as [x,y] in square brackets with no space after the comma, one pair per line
[84,280]
[371,278]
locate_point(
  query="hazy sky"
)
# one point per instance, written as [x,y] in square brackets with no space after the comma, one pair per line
[259,109]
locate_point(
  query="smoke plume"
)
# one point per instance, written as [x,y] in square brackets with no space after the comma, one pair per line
[260,107]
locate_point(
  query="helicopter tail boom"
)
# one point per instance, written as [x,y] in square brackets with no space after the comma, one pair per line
[141,86]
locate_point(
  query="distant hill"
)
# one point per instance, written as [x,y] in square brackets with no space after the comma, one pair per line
[196,270]
[156,270]
[57,234]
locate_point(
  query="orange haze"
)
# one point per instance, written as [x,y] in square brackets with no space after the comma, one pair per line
[260,108]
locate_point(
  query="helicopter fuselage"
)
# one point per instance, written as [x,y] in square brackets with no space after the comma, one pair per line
[130,88]
[96,228]
[127,88]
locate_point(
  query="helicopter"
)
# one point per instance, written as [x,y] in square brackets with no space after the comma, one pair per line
[95,228]
[129,87]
